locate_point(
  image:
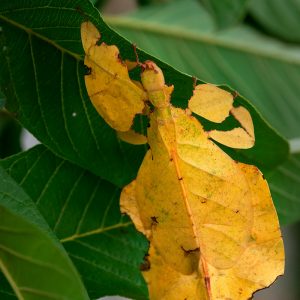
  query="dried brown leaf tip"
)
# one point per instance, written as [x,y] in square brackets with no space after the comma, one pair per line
[222,239]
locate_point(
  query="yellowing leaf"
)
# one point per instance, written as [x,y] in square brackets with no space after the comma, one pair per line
[116,98]
[211,223]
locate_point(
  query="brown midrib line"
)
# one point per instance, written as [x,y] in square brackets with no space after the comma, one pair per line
[204,270]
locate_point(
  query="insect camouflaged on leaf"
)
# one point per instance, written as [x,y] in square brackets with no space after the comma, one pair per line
[211,223]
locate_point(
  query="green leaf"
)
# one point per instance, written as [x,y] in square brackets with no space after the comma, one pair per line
[151,2]
[2,100]
[284,183]
[10,133]
[99,3]
[31,258]
[278,17]
[46,88]
[6,292]
[83,211]
[226,12]
[260,68]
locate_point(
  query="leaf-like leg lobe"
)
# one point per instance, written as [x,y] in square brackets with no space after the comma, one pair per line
[211,102]
[241,137]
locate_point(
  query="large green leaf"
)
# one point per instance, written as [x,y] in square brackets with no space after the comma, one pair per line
[31,258]
[278,17]
[226,12]
[83,211]
[46,88]
[262,69]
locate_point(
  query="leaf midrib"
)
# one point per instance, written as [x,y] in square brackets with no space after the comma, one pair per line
[180,33]
[95,231]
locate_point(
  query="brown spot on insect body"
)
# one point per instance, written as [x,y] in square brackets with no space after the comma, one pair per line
[145,265]
[154,220]
[87,70]
[189,251]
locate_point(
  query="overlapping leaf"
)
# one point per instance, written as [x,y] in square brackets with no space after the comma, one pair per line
[30,256]
[83,211]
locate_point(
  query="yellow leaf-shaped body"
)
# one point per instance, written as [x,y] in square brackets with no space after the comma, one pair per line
[211,222]
[116,98]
